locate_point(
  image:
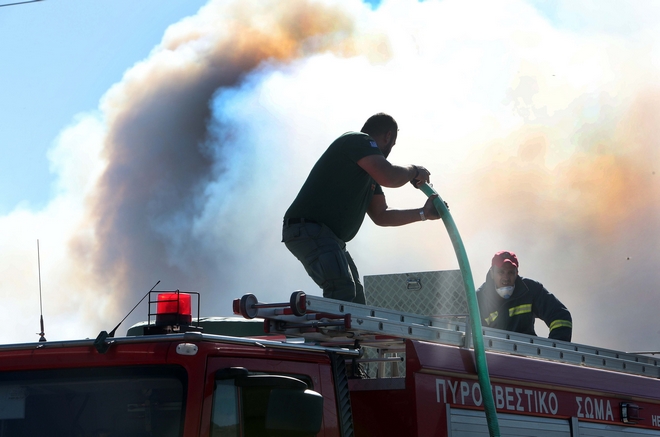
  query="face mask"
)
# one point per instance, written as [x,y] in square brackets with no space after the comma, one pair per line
[505,292]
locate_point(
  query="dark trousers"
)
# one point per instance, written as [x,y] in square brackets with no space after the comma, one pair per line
[325,259]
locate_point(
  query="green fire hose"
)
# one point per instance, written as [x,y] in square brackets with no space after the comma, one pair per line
[473,307]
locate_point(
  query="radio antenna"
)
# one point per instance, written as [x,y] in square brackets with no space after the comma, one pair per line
[100,344]
[41,308]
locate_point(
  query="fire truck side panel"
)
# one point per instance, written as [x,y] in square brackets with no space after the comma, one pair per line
[382,407]
[534,394]
[430,414]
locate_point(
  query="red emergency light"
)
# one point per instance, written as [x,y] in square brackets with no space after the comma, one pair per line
[173,308]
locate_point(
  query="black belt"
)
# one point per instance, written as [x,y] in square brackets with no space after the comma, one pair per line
[294,221]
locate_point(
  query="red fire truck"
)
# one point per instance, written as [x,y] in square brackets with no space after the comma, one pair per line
[318,367]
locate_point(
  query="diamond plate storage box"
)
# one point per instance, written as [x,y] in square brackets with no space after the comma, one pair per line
[438,294]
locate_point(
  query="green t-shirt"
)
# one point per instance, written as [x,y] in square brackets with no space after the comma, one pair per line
[338,191]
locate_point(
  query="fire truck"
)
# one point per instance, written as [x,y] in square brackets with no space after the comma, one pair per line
[318,367]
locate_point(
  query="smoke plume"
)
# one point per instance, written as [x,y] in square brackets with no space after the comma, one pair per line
[542,139]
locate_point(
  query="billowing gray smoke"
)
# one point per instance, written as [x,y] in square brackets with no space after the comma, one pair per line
[163,146]
[543,140]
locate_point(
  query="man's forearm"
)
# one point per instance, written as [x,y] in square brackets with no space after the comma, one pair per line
[399,217]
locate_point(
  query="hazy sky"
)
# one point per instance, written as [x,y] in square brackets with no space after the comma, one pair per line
[140,145]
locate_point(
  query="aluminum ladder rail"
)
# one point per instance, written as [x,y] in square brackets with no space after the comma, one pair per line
[572,353]
[338,323]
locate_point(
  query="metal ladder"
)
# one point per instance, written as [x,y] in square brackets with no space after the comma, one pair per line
[335,321]
[338,323]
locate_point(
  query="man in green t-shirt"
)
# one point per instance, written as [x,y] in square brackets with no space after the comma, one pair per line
[343,186]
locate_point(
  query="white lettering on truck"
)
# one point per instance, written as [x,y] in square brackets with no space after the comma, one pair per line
[518,405]
[459,392]
[593,408]
[476,388]
[465,390]
[453,390]
[509,398]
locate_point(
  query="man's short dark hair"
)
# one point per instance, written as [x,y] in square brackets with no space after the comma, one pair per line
[379,124]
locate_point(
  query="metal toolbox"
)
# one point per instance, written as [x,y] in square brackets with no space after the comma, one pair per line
[436,294]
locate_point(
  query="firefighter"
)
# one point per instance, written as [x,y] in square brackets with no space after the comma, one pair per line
[343,186]
[509,301]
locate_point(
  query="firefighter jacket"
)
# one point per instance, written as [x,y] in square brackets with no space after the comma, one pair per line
[530,300]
